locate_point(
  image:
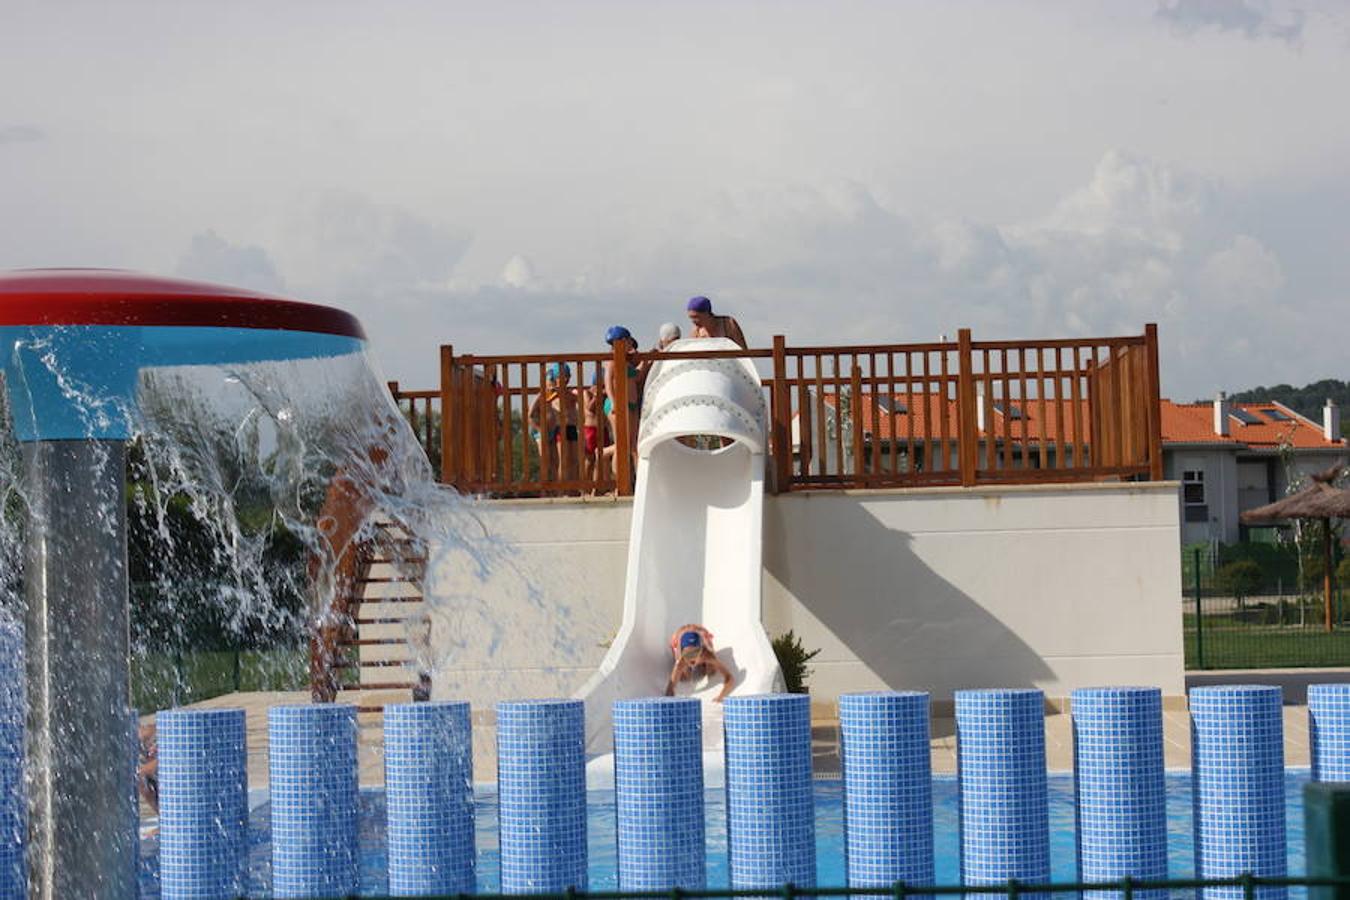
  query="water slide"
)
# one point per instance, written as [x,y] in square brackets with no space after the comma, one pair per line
[694,551]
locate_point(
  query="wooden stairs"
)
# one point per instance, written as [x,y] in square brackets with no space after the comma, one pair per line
[368,656]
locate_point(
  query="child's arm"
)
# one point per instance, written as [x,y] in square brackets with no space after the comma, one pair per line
[728,680]
[674,677]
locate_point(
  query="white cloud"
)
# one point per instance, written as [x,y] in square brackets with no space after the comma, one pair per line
[518,273]
[1254,20]
[20,134]
[210,257]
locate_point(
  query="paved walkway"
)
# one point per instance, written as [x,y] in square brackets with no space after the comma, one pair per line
[825,739]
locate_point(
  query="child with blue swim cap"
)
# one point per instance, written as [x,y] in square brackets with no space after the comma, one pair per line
[694,657]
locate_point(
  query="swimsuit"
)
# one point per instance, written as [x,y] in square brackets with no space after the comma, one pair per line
[558,434]
[592,433]
[609,406]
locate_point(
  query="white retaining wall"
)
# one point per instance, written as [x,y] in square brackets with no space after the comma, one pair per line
[1055,587]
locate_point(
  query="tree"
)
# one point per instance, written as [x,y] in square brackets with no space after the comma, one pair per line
[1241,578]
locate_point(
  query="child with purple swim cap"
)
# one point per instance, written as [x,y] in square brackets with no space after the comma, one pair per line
[707,325]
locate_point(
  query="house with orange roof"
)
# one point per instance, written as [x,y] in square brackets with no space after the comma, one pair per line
[1228,457]
[1231,457]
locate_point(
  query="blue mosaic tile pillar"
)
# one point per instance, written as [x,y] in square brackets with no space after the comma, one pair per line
[1329,728]
[1003,806]
[203,802]
[314,794]
[428,777]
[888,788]
[13,821]
[541,794]
[1237,764]
[1119,787]
[771,830]
[658,781]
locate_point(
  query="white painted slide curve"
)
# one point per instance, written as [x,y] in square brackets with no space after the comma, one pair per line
[695,548]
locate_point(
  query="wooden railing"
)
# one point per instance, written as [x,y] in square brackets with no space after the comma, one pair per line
[961,412]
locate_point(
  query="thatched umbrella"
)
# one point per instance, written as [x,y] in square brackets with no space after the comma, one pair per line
[1319,500]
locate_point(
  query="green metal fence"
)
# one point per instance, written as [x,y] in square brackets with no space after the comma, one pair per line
[1248,607]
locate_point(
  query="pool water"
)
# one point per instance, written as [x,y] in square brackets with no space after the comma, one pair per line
[829,836]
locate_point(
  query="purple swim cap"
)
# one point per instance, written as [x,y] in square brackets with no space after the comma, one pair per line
[699,304]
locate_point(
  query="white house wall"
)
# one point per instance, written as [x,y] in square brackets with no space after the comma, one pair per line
[1056,587]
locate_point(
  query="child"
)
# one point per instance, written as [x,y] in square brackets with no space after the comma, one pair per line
[694,656]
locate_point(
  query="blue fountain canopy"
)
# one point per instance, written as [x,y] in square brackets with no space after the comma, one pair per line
[78,382]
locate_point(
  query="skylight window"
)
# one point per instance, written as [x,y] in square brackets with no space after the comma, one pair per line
[1245,417]
[891,405]
[1277,415]
[1008,409]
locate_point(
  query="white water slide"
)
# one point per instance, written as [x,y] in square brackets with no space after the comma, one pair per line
[694,551]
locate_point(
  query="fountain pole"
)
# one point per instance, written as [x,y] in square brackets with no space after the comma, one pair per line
[81,772]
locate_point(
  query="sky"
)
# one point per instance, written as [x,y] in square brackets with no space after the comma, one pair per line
[517,176]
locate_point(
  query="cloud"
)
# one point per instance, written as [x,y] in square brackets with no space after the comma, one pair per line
[1254,20]
[346,244]
[20,134]
[518,273]
[212,258]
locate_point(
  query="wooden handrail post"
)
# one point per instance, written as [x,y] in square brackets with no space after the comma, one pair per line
[623,444]
[782,418]
[1155,456]
[448,424]
[855,415]
[968,452]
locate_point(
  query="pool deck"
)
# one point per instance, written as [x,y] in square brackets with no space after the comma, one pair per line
[825,738]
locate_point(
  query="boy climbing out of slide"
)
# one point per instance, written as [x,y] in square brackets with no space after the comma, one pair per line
[694,656]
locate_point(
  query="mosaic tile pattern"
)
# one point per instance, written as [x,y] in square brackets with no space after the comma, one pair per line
[203,802]
[888,788]
[1003,810]
[658,782]
[312,770]
[428,777]
[541,790]
[13,821]
[1329,729]
[1237,765]
[1119,786]
[771,831]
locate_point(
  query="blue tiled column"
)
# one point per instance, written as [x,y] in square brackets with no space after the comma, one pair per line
[1001,786]
[13,822]
[658,780]
[888,788]
[1237,763]
[312,767]
[541,792]
[1119,787]
[203,802]
[428,776]
[1329,728]
[771,831]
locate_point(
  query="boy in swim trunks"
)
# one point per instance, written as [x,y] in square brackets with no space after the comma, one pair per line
[590,427]
[553,417]
[694,656]
[635,376]
[707,325]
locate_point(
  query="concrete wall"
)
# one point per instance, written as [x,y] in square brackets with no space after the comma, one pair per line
[938,589]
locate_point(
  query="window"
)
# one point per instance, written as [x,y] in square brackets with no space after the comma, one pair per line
[1010,410]
[1193,496]
[1245,417]
[889,404]
[1276,415]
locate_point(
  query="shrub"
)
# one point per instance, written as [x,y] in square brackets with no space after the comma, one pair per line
[1240,578]
[1343,574]
[792,660]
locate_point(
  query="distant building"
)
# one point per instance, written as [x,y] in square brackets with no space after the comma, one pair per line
[1229,457]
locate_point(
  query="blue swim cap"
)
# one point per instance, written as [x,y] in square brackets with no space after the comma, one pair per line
[617,333]
[690,639]
[557,370]
[699,304]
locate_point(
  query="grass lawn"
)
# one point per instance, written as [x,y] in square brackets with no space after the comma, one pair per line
[1228,645]
[159,681]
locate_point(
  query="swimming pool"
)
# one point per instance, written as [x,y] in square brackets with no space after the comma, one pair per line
[829,835]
